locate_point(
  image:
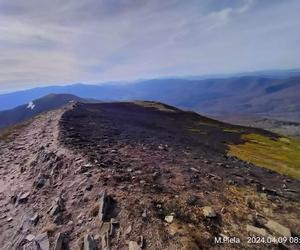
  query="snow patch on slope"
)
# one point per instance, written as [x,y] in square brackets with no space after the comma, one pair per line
[31,105]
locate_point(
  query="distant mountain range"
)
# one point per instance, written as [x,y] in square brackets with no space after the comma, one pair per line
[278,74]
[246,95]
[33,108]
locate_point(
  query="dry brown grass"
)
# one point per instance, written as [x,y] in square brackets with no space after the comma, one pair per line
[191,237]
[94,210]
[50,228]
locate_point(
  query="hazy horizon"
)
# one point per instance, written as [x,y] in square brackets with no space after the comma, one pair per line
[120,82]
[93,41]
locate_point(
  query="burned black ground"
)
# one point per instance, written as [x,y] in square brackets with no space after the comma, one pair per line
[103,132]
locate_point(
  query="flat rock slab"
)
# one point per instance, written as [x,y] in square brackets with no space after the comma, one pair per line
[23,197]
[277,228]
[133,245]
[256,230]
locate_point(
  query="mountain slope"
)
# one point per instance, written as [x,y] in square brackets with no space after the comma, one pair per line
[35,107]
[137,175]
[277,126]
[148,122]
[246,95]
[11,100]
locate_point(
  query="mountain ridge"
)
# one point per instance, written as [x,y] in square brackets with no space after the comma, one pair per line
[247,95]
[165,176]
[35,107]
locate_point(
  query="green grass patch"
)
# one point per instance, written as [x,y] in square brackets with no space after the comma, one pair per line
[231,130]
[281,155]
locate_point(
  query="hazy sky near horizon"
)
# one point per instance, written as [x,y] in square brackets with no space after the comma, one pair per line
[92,41]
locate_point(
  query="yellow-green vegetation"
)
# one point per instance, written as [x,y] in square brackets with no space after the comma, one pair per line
[155,105]
[279,154]
[230,130]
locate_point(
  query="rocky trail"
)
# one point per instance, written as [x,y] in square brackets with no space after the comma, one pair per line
[126,176]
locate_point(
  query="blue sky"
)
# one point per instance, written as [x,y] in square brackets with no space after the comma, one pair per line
[92,41]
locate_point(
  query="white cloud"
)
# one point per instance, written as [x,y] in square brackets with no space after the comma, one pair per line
[96,40]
